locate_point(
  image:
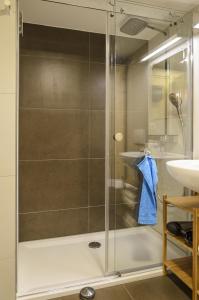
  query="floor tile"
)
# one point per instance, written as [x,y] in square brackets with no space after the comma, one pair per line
[159,288]
[112,293]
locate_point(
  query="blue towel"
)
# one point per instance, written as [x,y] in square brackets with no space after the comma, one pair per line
[147,212]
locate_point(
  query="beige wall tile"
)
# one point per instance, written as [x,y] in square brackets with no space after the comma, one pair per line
[7,279]
[7,52]
[7,153]
[7,133]
[137,89]
[136,120]
[7,217]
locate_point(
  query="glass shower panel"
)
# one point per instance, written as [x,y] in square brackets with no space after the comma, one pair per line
[176,143]
[143,116]
[178,85]
[62,108]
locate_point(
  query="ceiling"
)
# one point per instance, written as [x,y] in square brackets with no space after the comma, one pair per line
[183,5]
[50,13]
[126,47]
[76,17]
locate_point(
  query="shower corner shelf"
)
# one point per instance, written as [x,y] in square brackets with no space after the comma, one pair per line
[185,268]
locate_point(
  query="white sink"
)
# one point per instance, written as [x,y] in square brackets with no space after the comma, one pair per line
[186,172]
[129,157]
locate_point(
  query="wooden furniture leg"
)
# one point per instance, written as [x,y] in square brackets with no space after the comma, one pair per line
[164,233]
[195,254]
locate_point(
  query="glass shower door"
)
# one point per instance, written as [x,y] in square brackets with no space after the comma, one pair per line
[141,115]
[62,108]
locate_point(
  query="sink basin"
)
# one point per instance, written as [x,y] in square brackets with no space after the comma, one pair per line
[186,172]
[129,157]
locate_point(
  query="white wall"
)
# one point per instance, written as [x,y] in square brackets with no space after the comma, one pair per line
[7,152]
[195,87]
[137,104]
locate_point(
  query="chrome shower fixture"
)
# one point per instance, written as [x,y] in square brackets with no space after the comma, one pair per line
[133,26]
[176,100]
[87,293]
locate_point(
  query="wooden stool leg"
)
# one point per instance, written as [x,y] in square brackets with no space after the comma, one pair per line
[164,235]
[195,254]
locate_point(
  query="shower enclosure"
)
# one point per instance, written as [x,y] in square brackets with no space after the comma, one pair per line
[90,103]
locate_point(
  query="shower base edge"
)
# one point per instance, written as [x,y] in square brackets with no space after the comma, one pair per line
[102,283]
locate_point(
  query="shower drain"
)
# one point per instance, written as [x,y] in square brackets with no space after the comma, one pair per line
[87,293]
[94,245]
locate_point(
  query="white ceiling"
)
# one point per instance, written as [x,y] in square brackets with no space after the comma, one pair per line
[75,17]
[87,19]
[64,15]
[183,5]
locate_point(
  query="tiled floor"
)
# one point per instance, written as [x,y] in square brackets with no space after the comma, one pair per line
[160,288]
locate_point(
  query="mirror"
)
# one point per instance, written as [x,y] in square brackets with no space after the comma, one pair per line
[169,77]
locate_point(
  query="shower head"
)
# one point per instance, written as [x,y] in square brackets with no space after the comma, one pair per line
[176,100]
[134,26]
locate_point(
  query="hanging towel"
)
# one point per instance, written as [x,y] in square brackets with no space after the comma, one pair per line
[147,210]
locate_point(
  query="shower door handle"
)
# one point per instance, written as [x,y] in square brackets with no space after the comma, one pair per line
[118,137]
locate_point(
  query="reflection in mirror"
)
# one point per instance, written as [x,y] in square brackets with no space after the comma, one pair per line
[153,110]
[168,95]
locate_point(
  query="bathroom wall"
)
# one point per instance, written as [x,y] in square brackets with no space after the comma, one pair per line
[136,133]
[127,118]
[137,106]
[8,152]
[178,81]
[62,132]
[123,213]
[138,122]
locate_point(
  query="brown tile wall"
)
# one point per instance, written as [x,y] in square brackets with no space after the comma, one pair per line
[62,132]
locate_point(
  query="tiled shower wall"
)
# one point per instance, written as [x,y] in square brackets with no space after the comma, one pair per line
[62,132]
[8,95]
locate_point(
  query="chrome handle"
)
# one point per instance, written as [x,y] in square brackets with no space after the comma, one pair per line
[118,137]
